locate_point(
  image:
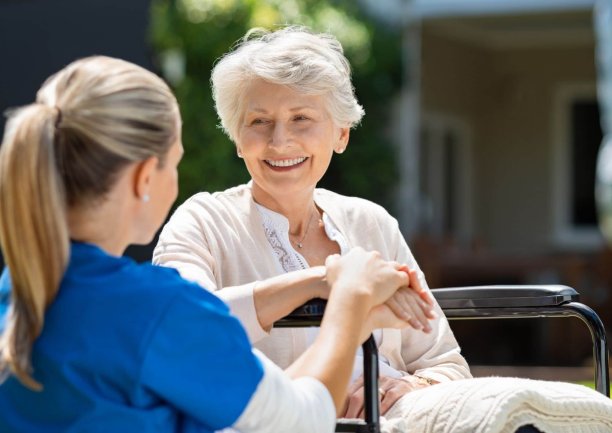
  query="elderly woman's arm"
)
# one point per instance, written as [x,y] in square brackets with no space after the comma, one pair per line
[199,242]
[422,359]
[436,356]
[428,359]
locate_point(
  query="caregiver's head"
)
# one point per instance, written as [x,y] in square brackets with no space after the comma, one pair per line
[101,141]
[286,99]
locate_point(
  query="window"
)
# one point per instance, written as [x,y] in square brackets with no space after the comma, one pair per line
[585,140]
[445,177]
[577,136]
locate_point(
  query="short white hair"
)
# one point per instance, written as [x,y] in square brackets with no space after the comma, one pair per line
[309,63]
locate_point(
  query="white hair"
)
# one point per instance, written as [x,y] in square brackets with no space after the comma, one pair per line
[309,63]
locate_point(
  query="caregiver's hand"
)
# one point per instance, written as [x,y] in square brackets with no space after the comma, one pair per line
[364,274]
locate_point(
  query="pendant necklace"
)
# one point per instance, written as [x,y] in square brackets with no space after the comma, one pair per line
[300,243]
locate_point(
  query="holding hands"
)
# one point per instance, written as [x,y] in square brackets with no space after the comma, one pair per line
[395,295]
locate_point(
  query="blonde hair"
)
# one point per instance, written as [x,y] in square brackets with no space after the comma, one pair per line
[89,121]
[309,63]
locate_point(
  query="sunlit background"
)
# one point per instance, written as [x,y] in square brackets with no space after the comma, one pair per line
[481,133]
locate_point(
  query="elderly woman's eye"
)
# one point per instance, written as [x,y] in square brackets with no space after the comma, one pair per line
[258,121]
[300,117]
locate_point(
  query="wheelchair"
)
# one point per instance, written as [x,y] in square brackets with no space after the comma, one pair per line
[474,302]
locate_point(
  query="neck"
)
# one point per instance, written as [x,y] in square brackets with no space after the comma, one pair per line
[297,208]
[93,224]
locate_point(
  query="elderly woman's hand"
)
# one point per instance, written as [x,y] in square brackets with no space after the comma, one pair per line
[413,304]
[390,391]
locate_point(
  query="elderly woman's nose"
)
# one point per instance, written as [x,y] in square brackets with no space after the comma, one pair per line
[280,134]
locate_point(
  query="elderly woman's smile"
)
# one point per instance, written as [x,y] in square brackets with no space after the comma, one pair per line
[285,164]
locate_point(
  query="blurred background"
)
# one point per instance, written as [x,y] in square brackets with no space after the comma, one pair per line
[481,132]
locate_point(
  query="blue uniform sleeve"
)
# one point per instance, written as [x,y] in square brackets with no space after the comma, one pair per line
[200,360]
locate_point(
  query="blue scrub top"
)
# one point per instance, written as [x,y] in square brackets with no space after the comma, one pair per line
[131,348]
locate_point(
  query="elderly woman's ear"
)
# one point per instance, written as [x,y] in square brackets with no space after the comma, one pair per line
[343,140]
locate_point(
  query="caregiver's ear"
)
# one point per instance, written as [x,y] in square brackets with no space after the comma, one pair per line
[143,174]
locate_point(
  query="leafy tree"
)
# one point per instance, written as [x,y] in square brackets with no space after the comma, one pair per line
[189,35]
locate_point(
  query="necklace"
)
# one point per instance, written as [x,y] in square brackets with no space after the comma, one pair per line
[300,243]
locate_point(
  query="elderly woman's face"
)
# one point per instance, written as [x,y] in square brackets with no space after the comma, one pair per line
[286,138]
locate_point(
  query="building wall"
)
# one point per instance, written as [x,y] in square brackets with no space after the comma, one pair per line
[39,37]
[506,98]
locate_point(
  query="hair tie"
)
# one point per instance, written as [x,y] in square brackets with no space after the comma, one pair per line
[59,117]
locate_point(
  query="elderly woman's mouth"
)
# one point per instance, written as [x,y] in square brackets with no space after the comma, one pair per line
[285,163]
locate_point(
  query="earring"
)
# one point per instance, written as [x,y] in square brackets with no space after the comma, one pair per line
[239,152]
[146,198]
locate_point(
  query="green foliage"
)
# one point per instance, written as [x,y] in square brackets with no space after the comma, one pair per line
[196,32]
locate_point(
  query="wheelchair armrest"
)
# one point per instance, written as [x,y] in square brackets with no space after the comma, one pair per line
[499,296]
[308,314]
[500,301]
[504,296]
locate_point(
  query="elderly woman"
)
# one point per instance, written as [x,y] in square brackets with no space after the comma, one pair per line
[91,341]
[286,100]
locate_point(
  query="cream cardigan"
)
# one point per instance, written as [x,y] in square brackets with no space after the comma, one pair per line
[218,241]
